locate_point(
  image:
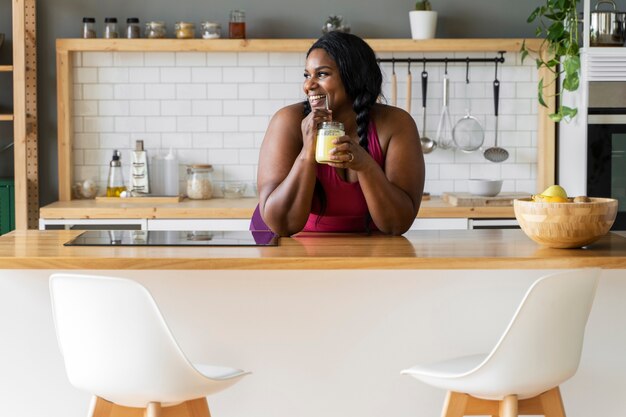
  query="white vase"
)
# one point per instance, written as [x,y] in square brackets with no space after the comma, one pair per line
[423,24]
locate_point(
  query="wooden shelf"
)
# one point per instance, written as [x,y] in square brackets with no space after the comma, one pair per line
[6,68]
[6,117]
[288,45]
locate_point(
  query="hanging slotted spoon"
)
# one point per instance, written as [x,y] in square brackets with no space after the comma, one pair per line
[496,153]
[468,133]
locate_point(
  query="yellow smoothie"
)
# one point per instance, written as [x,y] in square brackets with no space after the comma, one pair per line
[323,147]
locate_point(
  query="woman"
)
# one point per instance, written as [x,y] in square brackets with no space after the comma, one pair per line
[376,179]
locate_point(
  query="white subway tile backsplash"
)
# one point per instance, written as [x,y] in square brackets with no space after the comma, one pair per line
[176,75]
[114,108]
[129,91]
[160,92]
[128,59]
[190,59]
[191,123]
[238,75]
[144,75]
[160,59]
[215,108]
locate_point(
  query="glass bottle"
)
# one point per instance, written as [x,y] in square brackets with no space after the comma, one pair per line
[155,30]
[199,182]
[211,30]
[115,182]
[326,133]
[237,24]
[110,28]
[89,27]
[133,30]
[185,30]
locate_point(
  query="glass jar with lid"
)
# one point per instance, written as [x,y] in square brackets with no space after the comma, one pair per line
[327,132]
[211,30]
[155,30]
[237,24]
[199,182]
[185,30]
[110,28]
[89,27]
[133,30]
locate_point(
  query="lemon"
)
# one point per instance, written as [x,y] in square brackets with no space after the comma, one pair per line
[555,191]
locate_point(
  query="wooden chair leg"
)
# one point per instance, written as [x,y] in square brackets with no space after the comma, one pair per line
[153,410]
[198,408]
[552,403]
[100,407]
[454,405]
[508,406]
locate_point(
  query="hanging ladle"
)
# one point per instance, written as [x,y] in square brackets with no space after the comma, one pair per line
[496,153]
[428,145]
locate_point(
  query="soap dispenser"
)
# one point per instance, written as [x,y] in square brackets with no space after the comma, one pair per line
[115,182]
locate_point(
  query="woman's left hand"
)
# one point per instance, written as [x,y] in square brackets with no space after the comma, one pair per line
[347,153]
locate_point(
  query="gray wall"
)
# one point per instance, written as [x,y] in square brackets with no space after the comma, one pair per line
[265,19]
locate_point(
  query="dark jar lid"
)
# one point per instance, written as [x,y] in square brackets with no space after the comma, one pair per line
[89,20]
[110,20]
[132,20]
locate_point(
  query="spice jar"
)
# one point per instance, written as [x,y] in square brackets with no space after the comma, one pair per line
[211,30]
[237,24]
[185,30]
[199,182]
[327,132]
[133,30]
[110,28]
[89,27]
[155,30]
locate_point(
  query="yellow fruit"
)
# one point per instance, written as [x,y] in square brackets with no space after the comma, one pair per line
[555,191]
[555,199]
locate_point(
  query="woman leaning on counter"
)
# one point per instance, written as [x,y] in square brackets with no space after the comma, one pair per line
[375,179]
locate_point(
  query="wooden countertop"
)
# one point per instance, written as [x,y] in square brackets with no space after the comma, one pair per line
[219,208]
[467,249]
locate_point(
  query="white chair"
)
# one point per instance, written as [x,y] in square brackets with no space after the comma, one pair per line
[539,350]
[117,346]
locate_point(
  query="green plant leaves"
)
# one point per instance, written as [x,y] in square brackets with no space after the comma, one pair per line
[557,23]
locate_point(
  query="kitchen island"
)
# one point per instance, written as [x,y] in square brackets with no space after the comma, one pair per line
[324,322]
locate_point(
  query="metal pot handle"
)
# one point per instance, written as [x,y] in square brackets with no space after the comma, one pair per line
[606,2]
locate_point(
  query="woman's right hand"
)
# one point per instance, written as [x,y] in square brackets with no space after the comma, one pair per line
[309,126]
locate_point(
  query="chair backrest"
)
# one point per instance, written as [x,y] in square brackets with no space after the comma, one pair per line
[542,344]
[115,342]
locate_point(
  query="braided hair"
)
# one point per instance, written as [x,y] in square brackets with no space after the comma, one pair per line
[359,72]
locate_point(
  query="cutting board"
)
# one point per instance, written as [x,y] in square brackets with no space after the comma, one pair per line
[470,200]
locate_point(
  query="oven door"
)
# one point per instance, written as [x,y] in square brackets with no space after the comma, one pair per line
[606,161]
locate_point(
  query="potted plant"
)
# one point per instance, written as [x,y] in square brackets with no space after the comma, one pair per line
[335,23]
[559,52]
[423,20]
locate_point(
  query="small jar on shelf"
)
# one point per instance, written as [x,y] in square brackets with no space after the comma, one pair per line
[211,30]
[155,30]
[185,30]
[237,24]
[133,30]
[89,27]
[199,182]
[110,28]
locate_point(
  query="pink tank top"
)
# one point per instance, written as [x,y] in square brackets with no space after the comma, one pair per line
[346,208]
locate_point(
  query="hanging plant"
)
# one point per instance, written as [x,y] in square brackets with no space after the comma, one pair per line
[558,25]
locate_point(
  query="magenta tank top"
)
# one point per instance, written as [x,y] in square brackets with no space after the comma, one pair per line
[346,208]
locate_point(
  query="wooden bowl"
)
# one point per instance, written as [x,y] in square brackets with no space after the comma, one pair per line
[565,225]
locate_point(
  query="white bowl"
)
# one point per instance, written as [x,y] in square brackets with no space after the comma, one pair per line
[484,187]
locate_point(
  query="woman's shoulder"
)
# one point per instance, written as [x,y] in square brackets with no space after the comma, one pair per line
[292,112]
[391,118]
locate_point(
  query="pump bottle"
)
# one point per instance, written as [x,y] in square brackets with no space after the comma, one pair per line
[115,182]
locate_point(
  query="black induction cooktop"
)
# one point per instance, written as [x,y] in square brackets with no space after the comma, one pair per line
[174,238]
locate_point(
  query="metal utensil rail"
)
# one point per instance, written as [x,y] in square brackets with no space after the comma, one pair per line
[498,59]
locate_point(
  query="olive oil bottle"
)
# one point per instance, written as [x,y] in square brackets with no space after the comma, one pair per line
[115,182]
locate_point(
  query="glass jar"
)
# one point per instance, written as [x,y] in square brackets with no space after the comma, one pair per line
[110,28]
[185,30]
[133,30]
[327,132]
[237,24]
[199,182]
[155,30]
[89,27]
[211,30]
